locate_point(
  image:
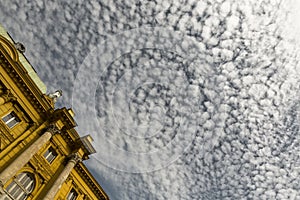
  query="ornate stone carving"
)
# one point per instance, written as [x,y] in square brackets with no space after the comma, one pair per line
[91,184]
[19,46]
[74,157]
[70,179]
[85,197]
[9,48]
[14,72]
[7,96]
[55,95]
[53,129]
[4,132]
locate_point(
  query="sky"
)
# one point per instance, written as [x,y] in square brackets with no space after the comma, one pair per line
[184,99]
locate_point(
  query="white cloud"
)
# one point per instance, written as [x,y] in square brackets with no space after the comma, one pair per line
[241,99]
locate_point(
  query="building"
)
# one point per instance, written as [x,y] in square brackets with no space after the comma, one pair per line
[41,153]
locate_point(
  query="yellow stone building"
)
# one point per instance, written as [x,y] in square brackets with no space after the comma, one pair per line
[41,153]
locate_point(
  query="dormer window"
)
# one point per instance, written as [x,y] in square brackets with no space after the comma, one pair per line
[11,119]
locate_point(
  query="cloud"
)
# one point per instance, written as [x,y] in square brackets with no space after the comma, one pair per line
[238,98]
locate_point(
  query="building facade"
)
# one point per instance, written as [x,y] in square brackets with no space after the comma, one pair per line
[41,154]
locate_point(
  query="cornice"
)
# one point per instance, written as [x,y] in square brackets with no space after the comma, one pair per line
[63,115]
[67,132]
[90,180]
[20,77]
[9,48]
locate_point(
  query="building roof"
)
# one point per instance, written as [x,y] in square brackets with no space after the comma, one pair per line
[31,71]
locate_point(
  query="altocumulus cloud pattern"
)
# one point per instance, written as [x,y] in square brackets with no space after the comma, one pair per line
[185,99]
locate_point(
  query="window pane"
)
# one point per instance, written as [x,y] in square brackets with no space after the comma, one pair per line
[27,181]
[21,177]
[13,122]
[46,154]
[11,119]
[50,155]
[29,187]
[21,196]
[15,191]
[12,188]
[21,186]
[72,195]
[7,117]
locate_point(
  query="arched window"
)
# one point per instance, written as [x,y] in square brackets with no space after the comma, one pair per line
[21,186]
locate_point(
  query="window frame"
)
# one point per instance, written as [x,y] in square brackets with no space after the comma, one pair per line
[51,151]
[14,118]
[21,187]
[72,191]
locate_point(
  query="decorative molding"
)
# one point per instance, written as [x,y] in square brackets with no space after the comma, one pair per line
[4,131]
[55,95]
[75,158]
[90,182]
[42,167]
[20,47]
[85,143]
[9,48]
[22,80]
[7,96]
[58,148]
[85,197]
[63,115]
[53,129]
[68,133]
[69,179]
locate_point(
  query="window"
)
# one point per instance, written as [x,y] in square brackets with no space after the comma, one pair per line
[11,119]
[72,195]
[50,155]
[21,186]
